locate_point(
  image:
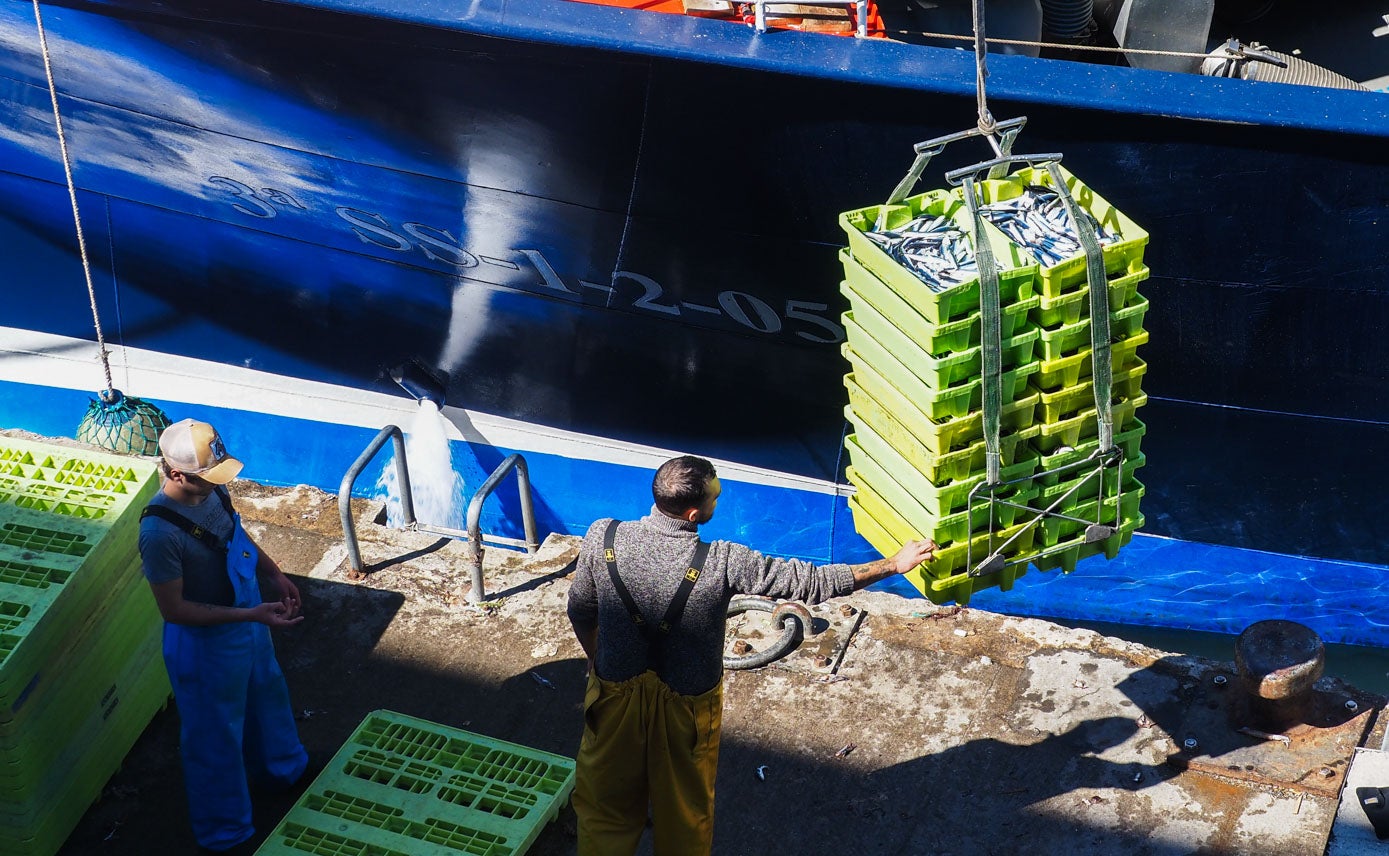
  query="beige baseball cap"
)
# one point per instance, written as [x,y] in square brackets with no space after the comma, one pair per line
[196,448]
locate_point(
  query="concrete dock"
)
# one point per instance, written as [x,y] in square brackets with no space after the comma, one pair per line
[942,731]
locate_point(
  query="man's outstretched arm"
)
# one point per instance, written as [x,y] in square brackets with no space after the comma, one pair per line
[912,554]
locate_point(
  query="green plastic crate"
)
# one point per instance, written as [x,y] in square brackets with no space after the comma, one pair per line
[877,492]
[1085,425]
[939,373]
[867,259]
[1086,484]
[1068,307]
[1056,342]
[1068,370]
[1127,440]
[937,500]
[870,394]
[1059,405]
[402,785]
[938,340]
[946,577]
[1056,530]
[1127,321]
[866,356]
[939,468]
[1067,555]
[1124,257]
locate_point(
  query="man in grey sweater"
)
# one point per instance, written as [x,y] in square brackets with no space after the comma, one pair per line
[649,603]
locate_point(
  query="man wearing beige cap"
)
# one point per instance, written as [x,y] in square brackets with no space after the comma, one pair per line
[208,576]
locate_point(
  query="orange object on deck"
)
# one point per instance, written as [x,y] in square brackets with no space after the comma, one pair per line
[839,20]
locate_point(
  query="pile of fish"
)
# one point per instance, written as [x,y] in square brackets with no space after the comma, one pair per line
[934,248]
[939,252]
[1039,222]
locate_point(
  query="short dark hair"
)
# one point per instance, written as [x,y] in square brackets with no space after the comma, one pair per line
[682,483]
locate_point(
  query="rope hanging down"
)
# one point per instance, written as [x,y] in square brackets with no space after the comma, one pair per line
[115,421]
[981,70]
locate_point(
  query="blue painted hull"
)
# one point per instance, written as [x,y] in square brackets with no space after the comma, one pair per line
[621,227]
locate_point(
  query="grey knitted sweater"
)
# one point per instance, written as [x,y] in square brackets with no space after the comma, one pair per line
[652,555]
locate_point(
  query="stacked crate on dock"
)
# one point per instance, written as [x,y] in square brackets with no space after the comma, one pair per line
[80,667]
[915,402]
[1067,419]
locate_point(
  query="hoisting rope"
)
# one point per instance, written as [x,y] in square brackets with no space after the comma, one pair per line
[72,194]
[115,421]
[991,313]
[981,70]
[1101,365]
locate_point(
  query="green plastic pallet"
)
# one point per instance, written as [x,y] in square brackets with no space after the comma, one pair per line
[62,692]
[1122,258]
[69,524]
[34,772]
[39,825]
[48,607]
[73,482]
[867,259]
[407,786]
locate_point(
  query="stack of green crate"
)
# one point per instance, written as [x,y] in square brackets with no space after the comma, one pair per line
[80,668]
[402,786]
[915,399]
[1066,412]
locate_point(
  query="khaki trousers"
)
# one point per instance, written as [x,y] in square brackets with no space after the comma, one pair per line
[644,743]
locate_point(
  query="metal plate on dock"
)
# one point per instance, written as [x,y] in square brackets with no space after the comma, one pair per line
[1312,756]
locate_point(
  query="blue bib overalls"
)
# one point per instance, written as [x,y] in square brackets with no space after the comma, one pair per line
[236,722]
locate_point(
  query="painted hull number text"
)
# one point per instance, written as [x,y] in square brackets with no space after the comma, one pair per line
[806,320]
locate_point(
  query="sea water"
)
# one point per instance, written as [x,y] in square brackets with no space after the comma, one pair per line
[436,487]
[1361,666]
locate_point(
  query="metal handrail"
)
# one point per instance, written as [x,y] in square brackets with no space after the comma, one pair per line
[760,11]
[473,534]
[407,504]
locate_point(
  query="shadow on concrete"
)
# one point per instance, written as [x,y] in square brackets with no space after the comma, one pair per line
[369,568]
[969,800]
[534,583]
[981,797]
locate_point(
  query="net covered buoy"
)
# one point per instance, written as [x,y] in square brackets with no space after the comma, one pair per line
[122,423]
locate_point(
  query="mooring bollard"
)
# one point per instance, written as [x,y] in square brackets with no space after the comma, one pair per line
[1278,662]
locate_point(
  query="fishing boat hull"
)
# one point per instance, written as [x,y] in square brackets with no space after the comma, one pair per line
[616,233]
